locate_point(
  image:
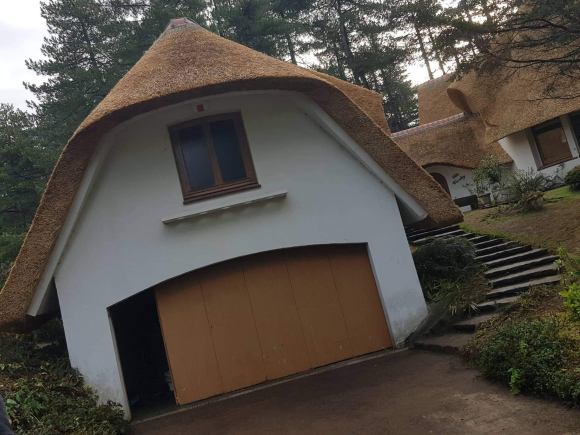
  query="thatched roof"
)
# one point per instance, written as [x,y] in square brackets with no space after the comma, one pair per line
[512,100]
[455,141]
[434,103]
[188,62]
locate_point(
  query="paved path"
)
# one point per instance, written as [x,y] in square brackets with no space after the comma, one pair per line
[409,393]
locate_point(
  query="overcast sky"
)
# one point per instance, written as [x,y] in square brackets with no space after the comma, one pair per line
[21,32]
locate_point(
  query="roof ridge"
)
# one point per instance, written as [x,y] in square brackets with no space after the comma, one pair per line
[175,23]
[434,124]
[436,80]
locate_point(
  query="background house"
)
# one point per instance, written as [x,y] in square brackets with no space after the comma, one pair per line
[511,118]
[228,218]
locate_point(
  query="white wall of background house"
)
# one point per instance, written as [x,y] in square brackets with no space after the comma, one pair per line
[456,178]
[522,148]
[120,246]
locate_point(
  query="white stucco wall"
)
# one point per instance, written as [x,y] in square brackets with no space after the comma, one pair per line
[456,178]
[120,246]
[522,149]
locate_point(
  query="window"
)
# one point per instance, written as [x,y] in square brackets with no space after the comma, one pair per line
[212,156]
[575,124]
[552,143]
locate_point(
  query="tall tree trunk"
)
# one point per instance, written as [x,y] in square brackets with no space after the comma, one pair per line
[437,54]
[423,52]
[291,48]
[359,77]
[336,51]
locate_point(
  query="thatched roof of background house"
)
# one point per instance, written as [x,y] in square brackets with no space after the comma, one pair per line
[455,141]
[434,103]
[512,100]
[188,62]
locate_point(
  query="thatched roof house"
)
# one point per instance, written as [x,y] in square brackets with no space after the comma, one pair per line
[513,100]
[456,141]
[434,104]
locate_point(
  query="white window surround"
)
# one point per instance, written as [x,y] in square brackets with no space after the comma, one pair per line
[225,205]
[570,137]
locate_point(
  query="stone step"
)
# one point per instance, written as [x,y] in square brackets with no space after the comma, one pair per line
[504,254]
[421,234]
[449,343]
[488,243]
[437,236]
[476,240]
[520,266]
[501,247]
[497,304]
[522,287]
[524,276]
[469,236]
[471,324]
[526,255]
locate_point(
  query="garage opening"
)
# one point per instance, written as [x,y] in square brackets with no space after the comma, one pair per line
[142,354]
[269,315]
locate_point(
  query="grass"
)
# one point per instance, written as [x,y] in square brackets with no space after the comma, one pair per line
[558,224]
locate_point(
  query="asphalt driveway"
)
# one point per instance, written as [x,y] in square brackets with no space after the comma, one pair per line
[408,393]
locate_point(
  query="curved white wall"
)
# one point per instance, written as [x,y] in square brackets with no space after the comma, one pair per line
[120,246]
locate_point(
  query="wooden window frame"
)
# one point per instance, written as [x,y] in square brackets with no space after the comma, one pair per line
[220,188]
[542,128]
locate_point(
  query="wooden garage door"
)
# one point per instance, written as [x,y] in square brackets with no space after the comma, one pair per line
[269,315]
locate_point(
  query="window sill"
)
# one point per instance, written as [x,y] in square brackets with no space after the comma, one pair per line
[266,196]
[220,191]
[556,163]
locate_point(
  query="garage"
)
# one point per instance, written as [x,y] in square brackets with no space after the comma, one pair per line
[269,315]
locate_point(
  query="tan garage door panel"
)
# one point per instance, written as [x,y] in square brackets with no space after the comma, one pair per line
[318,305]
[232,326]
[277,321]
[269,315]
[359,298]
[188,340]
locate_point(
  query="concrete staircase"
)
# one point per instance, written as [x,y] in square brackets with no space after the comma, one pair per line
[512,269]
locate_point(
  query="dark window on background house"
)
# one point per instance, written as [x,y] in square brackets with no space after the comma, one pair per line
[212,156]
[575,123]
[551,142]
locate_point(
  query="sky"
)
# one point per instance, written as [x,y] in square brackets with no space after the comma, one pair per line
[22,30]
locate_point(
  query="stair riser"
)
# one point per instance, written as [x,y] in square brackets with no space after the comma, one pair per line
[503,254]
[496,248]
[420,242]
[492,308]
[465,328]
[506,261]
[524,278]
[489,243]
[518,289]
[537,263]
[430,233]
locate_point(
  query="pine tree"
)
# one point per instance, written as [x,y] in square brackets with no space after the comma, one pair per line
[24,170]
[82,65]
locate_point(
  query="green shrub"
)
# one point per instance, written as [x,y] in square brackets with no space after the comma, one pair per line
[45,395]
[572,299]
[494,171]
[445,259]
[572,178]
[538,356]
[523,182]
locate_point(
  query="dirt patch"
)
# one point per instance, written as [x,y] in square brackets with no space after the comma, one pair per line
[558,224]
[411,393]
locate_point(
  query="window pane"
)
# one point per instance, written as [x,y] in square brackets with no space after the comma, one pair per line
[553,144]
[196,156]
[575,121]
[227,149]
